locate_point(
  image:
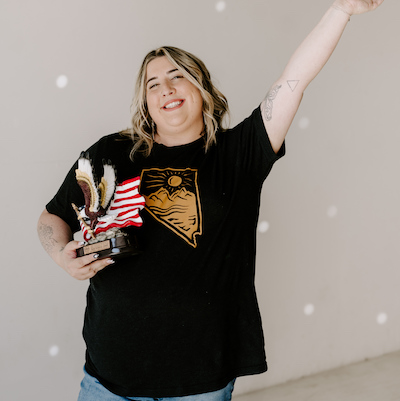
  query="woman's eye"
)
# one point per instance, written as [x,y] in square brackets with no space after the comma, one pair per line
[153,86]
[177,76]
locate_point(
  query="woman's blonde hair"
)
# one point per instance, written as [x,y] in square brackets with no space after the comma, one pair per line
[215,105]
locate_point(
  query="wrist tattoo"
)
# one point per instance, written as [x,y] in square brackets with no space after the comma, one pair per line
[46,237]
[269,102]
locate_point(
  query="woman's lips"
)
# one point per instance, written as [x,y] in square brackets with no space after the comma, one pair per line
[173,104]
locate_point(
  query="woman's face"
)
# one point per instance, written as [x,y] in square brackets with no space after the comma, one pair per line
[174,104]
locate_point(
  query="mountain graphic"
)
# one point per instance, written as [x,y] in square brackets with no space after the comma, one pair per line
[179,211]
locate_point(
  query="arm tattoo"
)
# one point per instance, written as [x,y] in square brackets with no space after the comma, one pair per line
[293,85]
[269,101]
[46,237]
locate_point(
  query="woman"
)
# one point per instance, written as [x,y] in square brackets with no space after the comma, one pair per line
[180,321]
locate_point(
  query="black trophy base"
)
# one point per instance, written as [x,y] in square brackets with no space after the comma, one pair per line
[114,248]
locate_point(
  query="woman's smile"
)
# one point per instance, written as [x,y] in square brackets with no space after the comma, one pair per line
[174,103]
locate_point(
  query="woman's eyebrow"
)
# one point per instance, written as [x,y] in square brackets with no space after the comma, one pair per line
[168,72]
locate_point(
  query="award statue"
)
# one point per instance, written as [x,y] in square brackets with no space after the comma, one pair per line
[109,208]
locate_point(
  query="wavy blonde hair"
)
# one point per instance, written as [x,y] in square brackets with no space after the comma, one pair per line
[215,105]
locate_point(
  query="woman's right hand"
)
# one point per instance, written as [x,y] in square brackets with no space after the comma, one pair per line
[83,267]
[53,234]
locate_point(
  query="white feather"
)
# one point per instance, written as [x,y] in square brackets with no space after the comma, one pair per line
[107,185]
[85,173]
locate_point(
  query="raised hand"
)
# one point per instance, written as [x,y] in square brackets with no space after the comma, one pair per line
[353,7]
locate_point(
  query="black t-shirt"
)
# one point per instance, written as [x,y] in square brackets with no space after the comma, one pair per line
[182,317]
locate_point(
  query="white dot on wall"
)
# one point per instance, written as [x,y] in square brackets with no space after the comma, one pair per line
[54,350]
[309,309]
[382,318]
[263,227]
[332,211]
[62,81]
[220,6]
[304,123]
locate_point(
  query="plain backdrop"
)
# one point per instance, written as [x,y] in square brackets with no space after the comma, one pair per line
[328,240]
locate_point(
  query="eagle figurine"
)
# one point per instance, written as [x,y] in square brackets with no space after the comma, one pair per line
[109,206]
[98,196]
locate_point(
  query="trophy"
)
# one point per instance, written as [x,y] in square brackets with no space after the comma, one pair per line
[109,208]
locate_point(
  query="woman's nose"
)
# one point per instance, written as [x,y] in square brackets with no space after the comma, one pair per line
[167,89]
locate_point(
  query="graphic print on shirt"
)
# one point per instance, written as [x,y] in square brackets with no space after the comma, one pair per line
[172,198]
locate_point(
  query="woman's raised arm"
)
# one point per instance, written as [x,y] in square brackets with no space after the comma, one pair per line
[282,101]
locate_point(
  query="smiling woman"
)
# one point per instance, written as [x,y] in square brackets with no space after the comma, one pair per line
[174,103]
[180,320]
[182,66]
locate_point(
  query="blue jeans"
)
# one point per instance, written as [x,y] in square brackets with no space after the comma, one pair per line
[92,390]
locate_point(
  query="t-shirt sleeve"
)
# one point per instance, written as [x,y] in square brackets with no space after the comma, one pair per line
[251,148]
[262,135]
[68,193]
[110,147]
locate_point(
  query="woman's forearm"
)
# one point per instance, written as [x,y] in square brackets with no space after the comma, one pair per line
[313,53]
[282,101]
[54,233]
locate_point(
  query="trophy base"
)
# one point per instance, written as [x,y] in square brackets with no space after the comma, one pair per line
[114,248]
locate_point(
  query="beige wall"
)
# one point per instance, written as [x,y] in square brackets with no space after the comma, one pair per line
[330,211]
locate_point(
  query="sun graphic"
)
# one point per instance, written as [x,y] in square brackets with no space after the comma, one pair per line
[172,180]
[175,181]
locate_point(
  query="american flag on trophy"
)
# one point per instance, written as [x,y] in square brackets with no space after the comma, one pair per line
[108,206]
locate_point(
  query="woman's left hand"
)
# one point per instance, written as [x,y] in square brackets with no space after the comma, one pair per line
[353,7]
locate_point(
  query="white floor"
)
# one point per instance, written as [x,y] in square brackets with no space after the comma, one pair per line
[373,380]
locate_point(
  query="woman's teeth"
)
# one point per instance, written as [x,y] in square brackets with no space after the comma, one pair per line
[173,104]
